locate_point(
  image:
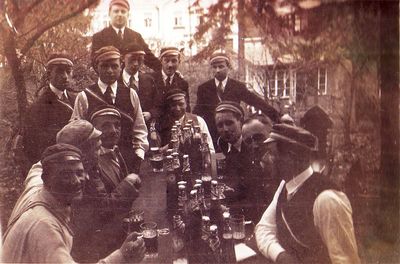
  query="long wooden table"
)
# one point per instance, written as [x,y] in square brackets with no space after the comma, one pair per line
[152,200]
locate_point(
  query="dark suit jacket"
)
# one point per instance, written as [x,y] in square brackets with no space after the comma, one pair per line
[46,116]
[150,99]
[108,37]
[207,101]
[177,83]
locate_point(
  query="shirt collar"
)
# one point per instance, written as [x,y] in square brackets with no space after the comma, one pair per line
[103,86]
[117,29]
[56,91]
[126,77]
[294,184]
[104,151]
[223,82]
[237,145]
[165,76]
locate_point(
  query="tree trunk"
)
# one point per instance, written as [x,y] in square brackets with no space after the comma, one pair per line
[388,228]
[241,36]
[14,63]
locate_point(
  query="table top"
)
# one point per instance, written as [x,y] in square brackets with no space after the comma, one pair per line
[152,200]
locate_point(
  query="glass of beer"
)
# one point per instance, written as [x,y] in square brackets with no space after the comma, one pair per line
[238,229]
[156,159]
[149,231]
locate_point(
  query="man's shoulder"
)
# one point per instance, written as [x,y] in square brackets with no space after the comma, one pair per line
[146,76]
[236,83]
[207,84]
[104,31]
[132,32]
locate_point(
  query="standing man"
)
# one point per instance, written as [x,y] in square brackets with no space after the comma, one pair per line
[309,220]
[51,110]
[223,88]
[40,231]
[107,91]
[142,83]
[118,34]
[169,78]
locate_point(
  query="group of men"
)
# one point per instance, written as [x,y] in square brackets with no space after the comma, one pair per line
[87,153]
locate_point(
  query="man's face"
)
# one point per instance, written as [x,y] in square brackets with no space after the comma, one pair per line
[228,126]
[177,108]
[91,150]
[254,134]
[277,163]
[109,70]
[118,16]
[220,69]
[133,62]
[170,64]
[61,76]
[110,126]
[67,181]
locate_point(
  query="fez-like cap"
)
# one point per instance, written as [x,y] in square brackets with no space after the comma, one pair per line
[174,95]
[230,106]
[77,132]
[59,59]
[218,56]
[105,110]
[59,153]
[106,53]
[316,118]
[293,135]
[169,51]
[123,3]
[132,48]
[287,119]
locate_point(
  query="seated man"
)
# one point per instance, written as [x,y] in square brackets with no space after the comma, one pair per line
[261,186]
[228,120]
[176,107]
[309,220]
[39,231]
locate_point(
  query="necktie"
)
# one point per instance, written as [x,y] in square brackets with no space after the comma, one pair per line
[132,83]
[120,34]
[108,95]
[220,90]
[168,82]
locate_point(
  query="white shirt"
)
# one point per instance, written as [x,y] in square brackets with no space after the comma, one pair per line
[139,129]
[237,145]
[126,77]
[165,76]
[332,218]
[118,29]
[223,83]
[103,89]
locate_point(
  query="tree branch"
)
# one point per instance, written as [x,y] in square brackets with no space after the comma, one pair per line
[24,12]
[56,22]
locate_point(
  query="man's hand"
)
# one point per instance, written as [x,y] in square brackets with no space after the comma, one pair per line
[146,116]
[133,248]
[134,179]
[286,258]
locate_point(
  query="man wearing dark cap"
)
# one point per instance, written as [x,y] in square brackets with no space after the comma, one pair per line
[51,110]
[168,78]
[176,111]
[309,220]
[107,91]
[229,120]
[39,229]
[142,83]
[223,88]
[119,35]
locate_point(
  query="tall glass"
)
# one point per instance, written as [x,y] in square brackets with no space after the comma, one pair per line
[150,237]
[156,159]
[238,229]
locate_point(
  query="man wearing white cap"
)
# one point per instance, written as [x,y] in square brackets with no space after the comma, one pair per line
[223,88]
[119,35]
[169,78]
[309,219]
[107,91]
[51,110]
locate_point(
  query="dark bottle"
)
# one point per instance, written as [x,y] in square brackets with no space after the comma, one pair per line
[154,138]
[172,188]
[195,153]
[182,201]
[177,166]
[187,172]
[194,229]
[227,245]
[206,166]
[205,227]
[215,205]
[187,140]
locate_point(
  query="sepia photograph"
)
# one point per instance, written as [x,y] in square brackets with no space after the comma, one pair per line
[200,131]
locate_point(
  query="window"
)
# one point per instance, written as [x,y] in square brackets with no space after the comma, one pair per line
[178,21]
[279,85]
[322,81]
[147,22]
